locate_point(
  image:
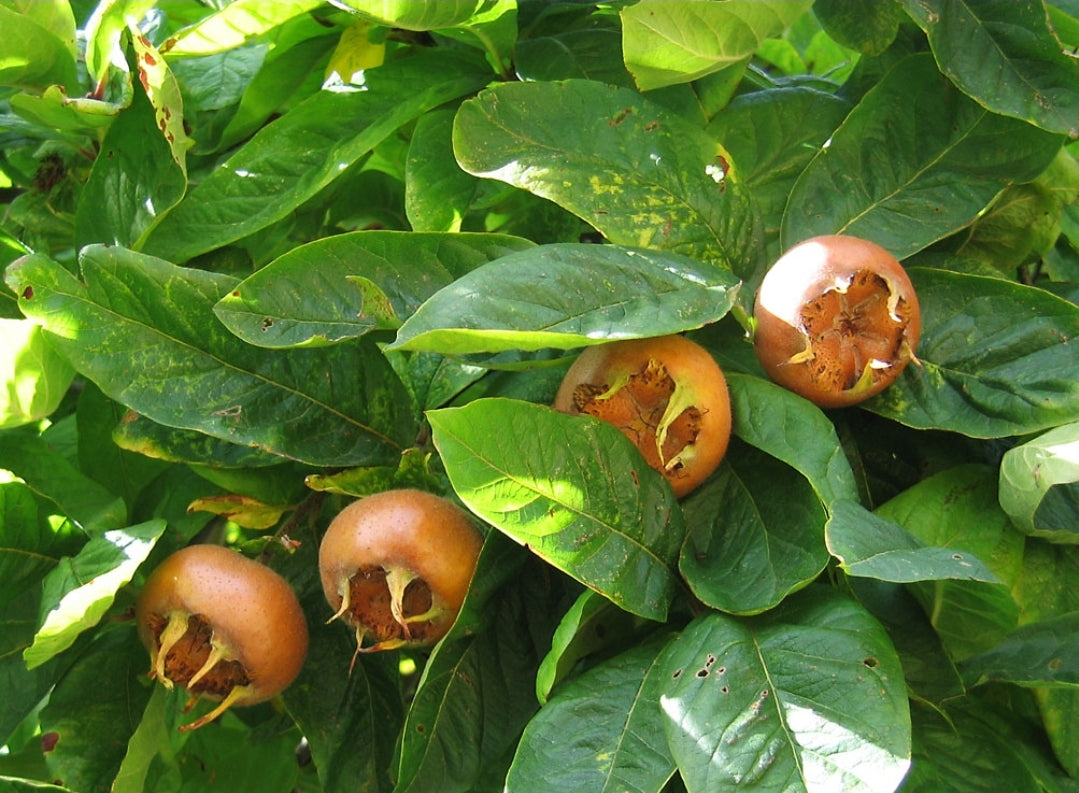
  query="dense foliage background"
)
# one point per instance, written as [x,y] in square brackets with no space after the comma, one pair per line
[261,258]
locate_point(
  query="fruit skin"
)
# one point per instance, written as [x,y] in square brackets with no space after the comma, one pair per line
[837,320]
[254,615]
[667,394]
[396,567]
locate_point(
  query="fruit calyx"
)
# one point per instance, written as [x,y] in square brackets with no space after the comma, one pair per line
[188,654]
[390,605]
[651,409]
[855,331]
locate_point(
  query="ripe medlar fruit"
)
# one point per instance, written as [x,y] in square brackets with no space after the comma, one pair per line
[221,626]
[396,567]
[837,320]
[667,394]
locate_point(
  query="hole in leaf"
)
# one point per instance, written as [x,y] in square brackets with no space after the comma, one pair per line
[871,662]
[677,674]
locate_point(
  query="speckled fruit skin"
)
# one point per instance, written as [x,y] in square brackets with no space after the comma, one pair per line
[405,559]
[622,382]
[836,320]
[255,617]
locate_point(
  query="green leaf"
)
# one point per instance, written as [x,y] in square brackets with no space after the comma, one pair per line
[340,701]
[291,159]
[471,706]
[668,43]
[235,24]
[1039,485]
[135,433]
[490,25]
[82,588]
[94,709]
[32,56]
[571,488]
[565,296]
[637,172]
[1004,54]
[33,377]
[55,109]
[140,174]
[913,147]
[52,477]
[602,732]
[1040,654]
[322,292]
[773,134]
[793,430]
[958,509]
[970,749]
[31,547]
[437,192]
[593,626]
[993,359]
[869,546]
[754,534]
[144,331]
[746,709]
[867,27]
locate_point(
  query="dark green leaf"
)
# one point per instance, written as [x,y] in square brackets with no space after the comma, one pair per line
[51,476]
[914,147]
[139,434]
[638,173]
[568,295]
[1038,485]
[1039,654]
[867,27]
[350,715]
[958,509]
[321,292]
[571,488]
[869,546]
[30,547]
[773,134]
[94,710]
[793,430]
[667,43]
[82,588]
[297,155]
[970,749]
[746,708]
[994,359]
[1004,55]
[475,695]
[593,626]
[144,331]
[754,534]
[590,54]
[601,733]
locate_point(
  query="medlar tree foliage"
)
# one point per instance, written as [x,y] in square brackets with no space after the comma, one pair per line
[263,259]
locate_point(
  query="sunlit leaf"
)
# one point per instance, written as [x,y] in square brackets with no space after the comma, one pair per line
[667,43]
[808,697]
[1039,485]
[568,295]
[82,588]
[571,488]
